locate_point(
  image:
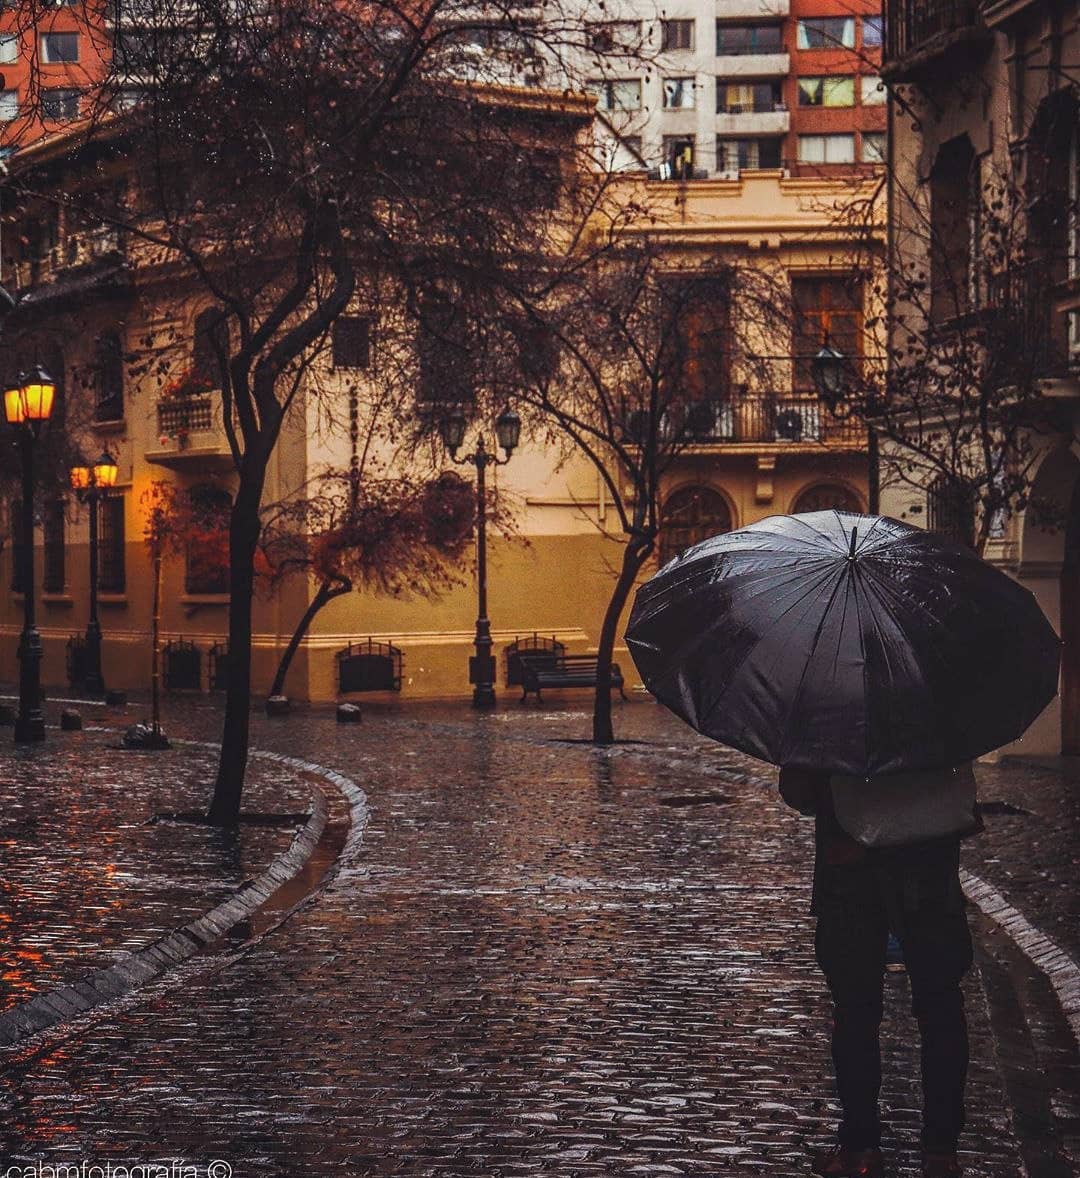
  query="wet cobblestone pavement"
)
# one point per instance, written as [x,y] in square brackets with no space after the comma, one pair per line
[87,875]
[542,959]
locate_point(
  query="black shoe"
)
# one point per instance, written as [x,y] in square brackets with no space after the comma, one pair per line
[848,1163]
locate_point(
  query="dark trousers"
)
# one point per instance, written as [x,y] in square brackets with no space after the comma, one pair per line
[916,892]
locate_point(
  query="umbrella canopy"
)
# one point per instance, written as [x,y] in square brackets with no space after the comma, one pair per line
[851,643]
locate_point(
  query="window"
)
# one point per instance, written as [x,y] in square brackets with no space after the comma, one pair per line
[210,345]
[953,228]
[351,341]
[871,32]
[697,352]
[950,509]
[52,580]
[619,94]
[690,515]
[611,35]
[111,577]
[740,155]
[873,92]
[741,39]
[9,49]
[18,546]
[826,32]
[109,379]
[827,309]
[136,50]
[207,545]
[9,105]
[58,103]
[827,91]
[678,94]
[444,345]
[873,147]
[59,47]
[739,98]
[676,34]
[826,149]
[678,157]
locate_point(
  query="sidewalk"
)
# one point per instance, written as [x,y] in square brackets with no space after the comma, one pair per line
[543,958]
[87,875]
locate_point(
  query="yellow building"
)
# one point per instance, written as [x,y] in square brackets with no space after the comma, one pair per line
[757,452]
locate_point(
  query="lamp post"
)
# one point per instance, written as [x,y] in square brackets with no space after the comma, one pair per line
[27,405]
[507,434]
[834,379]
[91,485]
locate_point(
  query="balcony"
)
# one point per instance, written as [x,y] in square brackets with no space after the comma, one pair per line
[921,34]
[1035,307]
[752,65]
[190,432]
[745,122]
[78,263]
[773,422]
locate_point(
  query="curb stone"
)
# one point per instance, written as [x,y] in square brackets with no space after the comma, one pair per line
[1049,958]
[51,1010]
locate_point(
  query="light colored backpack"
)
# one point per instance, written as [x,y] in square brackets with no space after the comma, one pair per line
[906,807]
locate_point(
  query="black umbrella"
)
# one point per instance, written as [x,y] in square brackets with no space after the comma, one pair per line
[845,642]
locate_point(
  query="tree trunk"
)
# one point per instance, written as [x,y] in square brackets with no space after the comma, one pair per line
[244,528]
[327,591]
[634,556]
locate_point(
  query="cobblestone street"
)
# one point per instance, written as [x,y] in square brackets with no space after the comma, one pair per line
[540,958]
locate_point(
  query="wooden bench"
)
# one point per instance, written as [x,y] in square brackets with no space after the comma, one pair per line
[547,669]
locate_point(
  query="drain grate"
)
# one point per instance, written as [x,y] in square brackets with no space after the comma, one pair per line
[697,800]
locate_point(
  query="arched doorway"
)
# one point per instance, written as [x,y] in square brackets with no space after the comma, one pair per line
[690,515]
[823,496]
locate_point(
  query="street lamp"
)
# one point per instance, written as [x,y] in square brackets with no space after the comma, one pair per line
[507,434]
[91,485]
[27,405]
[834,380]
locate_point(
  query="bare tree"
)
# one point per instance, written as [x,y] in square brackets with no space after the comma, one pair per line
[289,159]
[637,360]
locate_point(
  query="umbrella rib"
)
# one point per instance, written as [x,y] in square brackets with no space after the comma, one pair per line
[797,693]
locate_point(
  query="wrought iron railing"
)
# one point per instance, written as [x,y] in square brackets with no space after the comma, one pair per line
[914,24]
[791,419]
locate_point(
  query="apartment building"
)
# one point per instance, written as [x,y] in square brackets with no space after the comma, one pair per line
[49,61]
[744,85]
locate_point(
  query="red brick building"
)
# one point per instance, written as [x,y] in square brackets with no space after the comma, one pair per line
[834,91]
[50,56]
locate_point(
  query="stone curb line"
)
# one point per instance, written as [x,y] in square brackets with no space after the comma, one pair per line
[141,967]
[1061,971]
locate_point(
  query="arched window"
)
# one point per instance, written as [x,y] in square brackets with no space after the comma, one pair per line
[823,496]
[207,540]
[690,515]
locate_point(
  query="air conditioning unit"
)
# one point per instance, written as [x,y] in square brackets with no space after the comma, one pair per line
[710,421]
[797,421]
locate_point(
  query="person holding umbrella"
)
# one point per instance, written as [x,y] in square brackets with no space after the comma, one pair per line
[872,661]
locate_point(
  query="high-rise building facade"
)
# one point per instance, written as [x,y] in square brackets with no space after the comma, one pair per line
[744,85]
